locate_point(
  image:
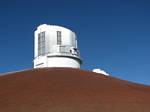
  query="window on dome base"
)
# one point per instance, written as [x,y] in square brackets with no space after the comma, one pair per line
[41,43]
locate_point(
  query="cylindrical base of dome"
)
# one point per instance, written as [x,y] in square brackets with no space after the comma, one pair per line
[63,62]
[56,62]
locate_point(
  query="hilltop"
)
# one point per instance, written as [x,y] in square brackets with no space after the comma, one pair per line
[70,90]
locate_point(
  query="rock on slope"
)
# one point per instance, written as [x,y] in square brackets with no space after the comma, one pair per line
[70,90]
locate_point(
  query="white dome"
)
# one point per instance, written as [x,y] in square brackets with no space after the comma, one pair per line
[55,46]
[100,71]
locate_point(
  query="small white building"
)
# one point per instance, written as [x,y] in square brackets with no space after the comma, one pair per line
[100,71]
[55,46]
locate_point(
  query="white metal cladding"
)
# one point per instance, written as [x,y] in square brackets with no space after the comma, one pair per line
[59,42]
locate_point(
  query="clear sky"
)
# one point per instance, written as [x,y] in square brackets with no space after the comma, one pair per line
[113,35]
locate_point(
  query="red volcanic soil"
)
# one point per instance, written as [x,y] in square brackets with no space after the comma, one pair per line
[70,90]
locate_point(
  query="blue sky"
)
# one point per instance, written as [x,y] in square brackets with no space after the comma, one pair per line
[113,35]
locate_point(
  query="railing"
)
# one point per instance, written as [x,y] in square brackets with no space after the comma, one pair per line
[63,50]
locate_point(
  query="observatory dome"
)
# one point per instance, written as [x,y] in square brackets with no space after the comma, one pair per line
[55,46]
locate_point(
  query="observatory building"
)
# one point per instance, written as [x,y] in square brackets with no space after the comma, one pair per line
[55,46]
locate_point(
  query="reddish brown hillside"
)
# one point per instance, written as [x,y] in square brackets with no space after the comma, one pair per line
[70,90]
